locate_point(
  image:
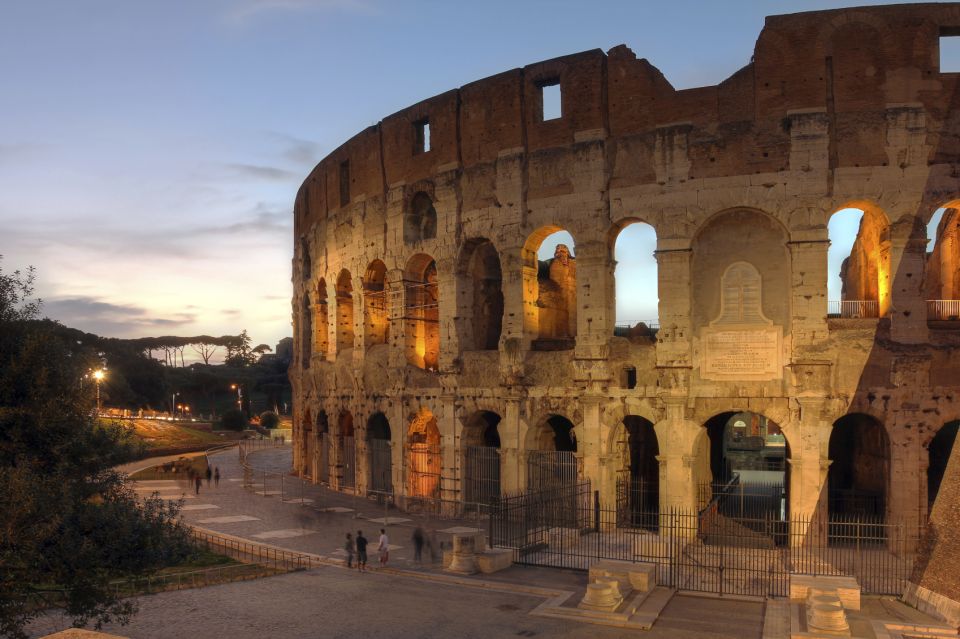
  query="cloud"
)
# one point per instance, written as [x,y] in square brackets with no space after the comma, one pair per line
[266,173]
[242,11]
[106,318]
[304,153]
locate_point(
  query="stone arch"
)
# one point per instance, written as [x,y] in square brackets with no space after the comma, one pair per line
[635,278]
[941,282]
[748,464]
[345,335]
[939,451]
[420,219]
[322,460]
[376,329]
[741,235]
[638,471]
[551,454]
[549,293]
[480,442]
[858,479]
[346,459]
[480,303]
[306,331]
[423,459]
[379,454]
[865,274]
[422,312]
[321,326]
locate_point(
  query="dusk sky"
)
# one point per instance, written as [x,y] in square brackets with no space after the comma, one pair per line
[150,152]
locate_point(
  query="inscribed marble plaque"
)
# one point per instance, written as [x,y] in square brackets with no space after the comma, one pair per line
[749,354]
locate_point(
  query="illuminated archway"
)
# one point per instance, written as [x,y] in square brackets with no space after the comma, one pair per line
[858,269]
[423,456]
[550,289]
[306,332]
[376,323]
[321,324]
[344,311]
[941,284]
[422,312]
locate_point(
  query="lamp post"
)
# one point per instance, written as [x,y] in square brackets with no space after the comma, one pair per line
[173,405]
[239,390]
[98,375]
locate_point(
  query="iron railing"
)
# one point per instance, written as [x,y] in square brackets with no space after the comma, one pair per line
[943,309]
[481,476]
[624,328]
[380,464]
[853,309]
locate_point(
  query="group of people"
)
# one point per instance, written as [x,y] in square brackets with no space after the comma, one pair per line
[357,547]
[197,478]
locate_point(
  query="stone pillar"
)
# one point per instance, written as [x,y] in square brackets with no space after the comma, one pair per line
[678,460]
[446,423]
[447,292]
[396,298]
[673,274]
[908,315]
[595,314]
[398,442]
[808,300]
[511,471]
[589,441]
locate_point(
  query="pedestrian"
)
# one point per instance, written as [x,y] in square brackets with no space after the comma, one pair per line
[348,546]
[361,552]
[196,483]
[383,548]
[216,476]
[418,544]
[209,476]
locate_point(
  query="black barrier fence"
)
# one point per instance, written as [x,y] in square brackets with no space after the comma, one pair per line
[706,551]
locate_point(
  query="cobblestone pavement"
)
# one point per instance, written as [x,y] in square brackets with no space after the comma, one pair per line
[334,602]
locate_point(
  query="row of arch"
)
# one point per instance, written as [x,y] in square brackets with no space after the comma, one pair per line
[745,448]
[861,282]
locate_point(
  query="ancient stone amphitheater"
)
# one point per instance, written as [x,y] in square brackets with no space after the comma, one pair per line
[441,360]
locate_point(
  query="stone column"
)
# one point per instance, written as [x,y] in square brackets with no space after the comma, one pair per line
[908,315]
[808,299]
[511,477]
[446,423]
[589,445]
[673,276]
[396,299]
[447,291]
[595,314]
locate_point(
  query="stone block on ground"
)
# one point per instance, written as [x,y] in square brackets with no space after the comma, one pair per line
[847,588]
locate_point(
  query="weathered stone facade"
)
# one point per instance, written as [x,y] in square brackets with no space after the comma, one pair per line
[418,295]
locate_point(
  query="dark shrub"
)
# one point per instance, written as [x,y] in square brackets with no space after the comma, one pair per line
[269,419]
[233,419]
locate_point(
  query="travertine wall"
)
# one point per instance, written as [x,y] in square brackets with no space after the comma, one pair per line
[837,109]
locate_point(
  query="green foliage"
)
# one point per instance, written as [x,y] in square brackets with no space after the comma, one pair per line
[269,419]
[67,521]
[233,419]
[239,353]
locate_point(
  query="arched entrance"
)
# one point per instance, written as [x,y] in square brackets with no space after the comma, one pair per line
[422,313]
[748,465]
[551,459]
[379,454]
[323,449]
[859,470]
[638,480]
[481,458]
[376,328]
[423,459]
[939,456]
[347,459]
[480,305]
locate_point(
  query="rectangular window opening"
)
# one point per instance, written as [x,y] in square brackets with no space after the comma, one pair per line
[345,183]
[628,378]
[421,136]
[949,52]
[550,100]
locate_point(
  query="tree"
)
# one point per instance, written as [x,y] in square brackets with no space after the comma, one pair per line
[68,522]
[206,348]
[239,353]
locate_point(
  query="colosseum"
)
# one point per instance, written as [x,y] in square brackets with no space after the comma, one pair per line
[448,354]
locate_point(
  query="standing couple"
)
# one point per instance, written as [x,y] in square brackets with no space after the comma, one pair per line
[383,548]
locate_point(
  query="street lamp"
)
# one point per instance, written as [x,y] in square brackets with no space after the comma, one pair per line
[98,375]
[239,390]
[173,405]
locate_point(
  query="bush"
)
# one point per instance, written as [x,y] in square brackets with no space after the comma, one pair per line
[233,419]
[269,419]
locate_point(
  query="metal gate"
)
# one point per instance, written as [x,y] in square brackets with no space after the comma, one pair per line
[702,551]
[381,465]
[549,470]
[481,476]
[349,464]
[638,502]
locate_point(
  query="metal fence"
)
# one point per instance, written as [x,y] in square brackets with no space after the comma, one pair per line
[481,477]
[853,309]
[380,460]
[943,309]
[549,470]
[708,551]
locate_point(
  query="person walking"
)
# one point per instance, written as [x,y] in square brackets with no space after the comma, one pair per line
[209,476]
[383,547]
[348,546]
[196,483]
[418,540]
[216,476]
[361,552]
